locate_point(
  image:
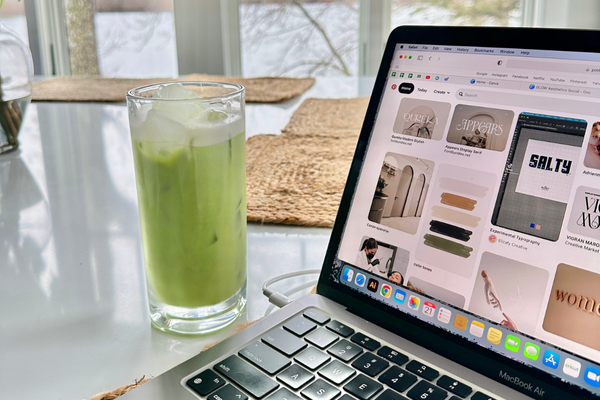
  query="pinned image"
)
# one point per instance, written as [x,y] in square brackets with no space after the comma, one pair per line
[592,152]
[421,118]
[401,192]
[480,127]
[382,259]
[509,292]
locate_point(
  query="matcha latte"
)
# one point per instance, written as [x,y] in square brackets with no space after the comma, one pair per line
[189,157]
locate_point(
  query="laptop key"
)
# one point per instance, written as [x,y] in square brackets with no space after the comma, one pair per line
[312,358]
[295,376]
[320,390]
[227,392]
[365,341]
[284,341]
[316,316]
[422,370]
[397,378]
[283,394]
[363,387]
[264,357]
[370,364]
[346,397]
[246,376]
[344,350]
[336,372]
[392,355]
[321,338]
[454,386]
[481,396]
[425,390]
[299,325]
[391,395]
[205,382]
[340,328]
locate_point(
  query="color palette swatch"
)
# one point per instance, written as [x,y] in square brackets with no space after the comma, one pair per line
[448,246]
[457,201]
[466,188]
[449,230]
[455,216]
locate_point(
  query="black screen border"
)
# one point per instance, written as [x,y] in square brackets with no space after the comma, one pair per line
[455,348]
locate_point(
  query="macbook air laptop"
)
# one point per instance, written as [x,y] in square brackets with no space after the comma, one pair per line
[464,261]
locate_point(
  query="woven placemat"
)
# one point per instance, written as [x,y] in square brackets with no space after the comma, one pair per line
[328,117]
[88,88]
[262,90]
[297,178]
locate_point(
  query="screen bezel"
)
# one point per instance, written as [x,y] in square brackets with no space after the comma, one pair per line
[444,343]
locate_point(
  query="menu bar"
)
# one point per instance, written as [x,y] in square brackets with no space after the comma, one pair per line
[567,55]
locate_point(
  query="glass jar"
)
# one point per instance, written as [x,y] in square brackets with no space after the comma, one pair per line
[16,80]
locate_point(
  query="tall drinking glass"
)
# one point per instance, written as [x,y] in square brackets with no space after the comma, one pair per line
[188,143]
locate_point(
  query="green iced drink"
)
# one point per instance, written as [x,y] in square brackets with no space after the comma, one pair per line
[190,169]
[192,204]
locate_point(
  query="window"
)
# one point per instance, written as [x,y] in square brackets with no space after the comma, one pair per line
[12,16]
[299,38]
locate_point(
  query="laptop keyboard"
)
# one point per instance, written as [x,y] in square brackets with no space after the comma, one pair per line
[314,357]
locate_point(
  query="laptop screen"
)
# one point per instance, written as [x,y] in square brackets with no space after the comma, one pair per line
[477,206]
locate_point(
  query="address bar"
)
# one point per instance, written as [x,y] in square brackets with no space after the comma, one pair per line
[549,66]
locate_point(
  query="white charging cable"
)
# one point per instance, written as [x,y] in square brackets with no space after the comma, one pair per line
[282,299]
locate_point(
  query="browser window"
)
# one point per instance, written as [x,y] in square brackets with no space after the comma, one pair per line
[477,208]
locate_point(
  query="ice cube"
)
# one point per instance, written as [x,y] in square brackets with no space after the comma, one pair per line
[159,128]
[176,102]
[174,91]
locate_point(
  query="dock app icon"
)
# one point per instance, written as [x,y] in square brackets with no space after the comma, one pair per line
[444,315]
[551,359]
[360,279]
[373,285]
[348,275]
[386,291]
[399,296]
[592,376]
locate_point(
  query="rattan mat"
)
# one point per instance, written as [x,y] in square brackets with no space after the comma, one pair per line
[90,88]
[297,178]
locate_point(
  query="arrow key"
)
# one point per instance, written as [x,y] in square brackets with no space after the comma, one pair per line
[227,392]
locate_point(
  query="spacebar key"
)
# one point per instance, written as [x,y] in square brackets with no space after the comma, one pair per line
[246,376]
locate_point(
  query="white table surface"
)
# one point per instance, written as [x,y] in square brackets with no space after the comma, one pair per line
[73,307]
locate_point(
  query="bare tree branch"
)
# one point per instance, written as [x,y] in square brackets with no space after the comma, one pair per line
[317,25]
